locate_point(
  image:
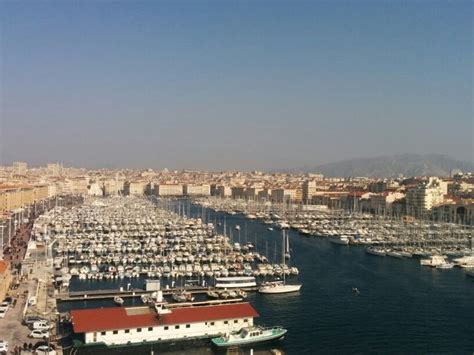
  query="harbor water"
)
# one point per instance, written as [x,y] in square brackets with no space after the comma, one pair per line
[401,306]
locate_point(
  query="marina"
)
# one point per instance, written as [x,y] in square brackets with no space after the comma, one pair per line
[380,235]
[329,274]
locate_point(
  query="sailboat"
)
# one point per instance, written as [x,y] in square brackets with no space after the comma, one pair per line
[286,240]
[279,286]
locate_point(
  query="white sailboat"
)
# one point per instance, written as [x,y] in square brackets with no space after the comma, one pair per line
[273,287]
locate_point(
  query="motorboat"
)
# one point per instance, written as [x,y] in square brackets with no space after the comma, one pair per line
[375,251]
[434,261]
[119,300]
[182,296]
[340,239]
[212,294]
[278,287]
[250,335]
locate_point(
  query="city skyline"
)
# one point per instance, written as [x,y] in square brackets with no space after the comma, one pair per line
[207,85]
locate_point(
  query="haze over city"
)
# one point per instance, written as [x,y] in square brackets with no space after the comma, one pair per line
[233,85]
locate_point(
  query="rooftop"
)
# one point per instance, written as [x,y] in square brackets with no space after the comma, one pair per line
[114,318]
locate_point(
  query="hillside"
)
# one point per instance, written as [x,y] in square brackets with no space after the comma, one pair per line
[393,166]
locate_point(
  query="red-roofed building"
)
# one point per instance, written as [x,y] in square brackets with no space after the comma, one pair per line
[121,326]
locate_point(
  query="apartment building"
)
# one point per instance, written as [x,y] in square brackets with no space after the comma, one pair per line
[168,190]
[422,197]
[196,190]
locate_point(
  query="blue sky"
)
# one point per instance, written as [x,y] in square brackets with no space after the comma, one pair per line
[233,84]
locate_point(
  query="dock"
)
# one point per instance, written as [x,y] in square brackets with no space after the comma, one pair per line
[110,294]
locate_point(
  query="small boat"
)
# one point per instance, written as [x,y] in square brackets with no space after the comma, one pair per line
[395,254]
[278,287]
[233,294]
[250,335]
[445,266]
[340,239]
[270,228]
[375,251]
[182,296]
[118,300]
[355,290]
[434,261]
[241,293]
[212,294]
[224,294]
[237,227]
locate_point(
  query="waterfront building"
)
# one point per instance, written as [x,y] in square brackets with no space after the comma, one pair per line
[17,196]
[264,195]
[461,211]
[196,190]
[221,190]
[134,188]
[134,325]
[382,202]
[283,195]
[238,192]
[309,190]
[19,168]
[111,187]
[169,190]
[251,193]
[422,197]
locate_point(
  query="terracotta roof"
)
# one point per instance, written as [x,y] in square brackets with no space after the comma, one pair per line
[100,319]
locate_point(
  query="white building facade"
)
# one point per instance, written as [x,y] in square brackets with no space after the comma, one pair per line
[122,326]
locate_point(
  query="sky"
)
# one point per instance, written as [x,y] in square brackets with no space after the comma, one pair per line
[233,84]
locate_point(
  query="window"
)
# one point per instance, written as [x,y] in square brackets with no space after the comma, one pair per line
[226,322]
[115,331]
[127,331]
[236,321]
[176,327]
[150,329]
[212,323]
[139,330]
[166,327]
[246,320]
[102,333]
[188,325]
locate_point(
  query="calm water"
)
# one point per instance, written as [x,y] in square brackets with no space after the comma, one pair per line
[402,307]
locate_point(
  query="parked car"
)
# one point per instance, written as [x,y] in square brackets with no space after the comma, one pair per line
[41,325]
[3,347]
[4,306]
[8,300]
[39,334]
[2,313]
[31,319]
[45,350]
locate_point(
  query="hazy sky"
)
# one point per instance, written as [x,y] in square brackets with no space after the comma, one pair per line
[233,84]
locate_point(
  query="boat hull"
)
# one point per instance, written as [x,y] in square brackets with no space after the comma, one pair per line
[280,289]
[219,342]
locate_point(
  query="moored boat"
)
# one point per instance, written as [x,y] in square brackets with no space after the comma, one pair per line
[278,287]
[250,335]
[375,251]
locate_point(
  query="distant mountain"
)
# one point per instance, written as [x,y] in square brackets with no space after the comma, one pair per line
[392,166]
